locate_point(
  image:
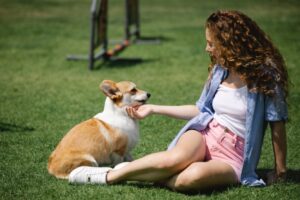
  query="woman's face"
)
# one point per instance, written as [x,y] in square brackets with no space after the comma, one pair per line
[210,45]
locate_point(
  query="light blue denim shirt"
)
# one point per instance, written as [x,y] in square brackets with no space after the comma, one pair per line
[260,110]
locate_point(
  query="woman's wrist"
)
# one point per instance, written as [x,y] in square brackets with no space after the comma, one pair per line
[154,109]
[280,165]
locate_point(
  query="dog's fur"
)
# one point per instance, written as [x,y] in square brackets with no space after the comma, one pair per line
[106,139]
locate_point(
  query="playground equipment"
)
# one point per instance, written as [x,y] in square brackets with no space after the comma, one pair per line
[98,32]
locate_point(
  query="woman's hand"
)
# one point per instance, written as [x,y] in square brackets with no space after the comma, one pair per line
[140,112]
[276,177]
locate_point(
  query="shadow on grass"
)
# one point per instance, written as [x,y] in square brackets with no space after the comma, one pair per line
[6,127]
[117,61]
[293,176]
[146,40]
[133,61]
[120,62]
[206,192]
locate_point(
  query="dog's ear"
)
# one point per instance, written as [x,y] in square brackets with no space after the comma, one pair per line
[110,89]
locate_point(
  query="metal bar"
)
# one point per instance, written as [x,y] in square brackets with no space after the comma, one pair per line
[92,33]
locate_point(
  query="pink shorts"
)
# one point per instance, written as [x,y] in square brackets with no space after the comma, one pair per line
[225,146]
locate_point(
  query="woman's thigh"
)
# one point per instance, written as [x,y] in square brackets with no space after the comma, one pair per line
[203,175]
[190,147]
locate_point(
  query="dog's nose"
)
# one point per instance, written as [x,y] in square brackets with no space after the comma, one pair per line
[148,95]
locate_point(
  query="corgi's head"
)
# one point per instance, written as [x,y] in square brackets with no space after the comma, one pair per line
[124,93]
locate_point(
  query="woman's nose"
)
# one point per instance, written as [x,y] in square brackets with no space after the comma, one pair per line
[207,48]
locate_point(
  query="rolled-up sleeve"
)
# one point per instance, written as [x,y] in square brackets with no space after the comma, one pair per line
[201,100]
[276,107]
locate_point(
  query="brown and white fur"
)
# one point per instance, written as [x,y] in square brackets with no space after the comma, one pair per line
[107,138]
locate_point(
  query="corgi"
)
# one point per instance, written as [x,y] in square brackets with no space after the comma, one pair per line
[105,139]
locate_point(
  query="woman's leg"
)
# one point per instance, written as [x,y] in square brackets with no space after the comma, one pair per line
[158,166]
[203,175]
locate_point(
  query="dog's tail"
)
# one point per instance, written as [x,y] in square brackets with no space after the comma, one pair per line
[62,167]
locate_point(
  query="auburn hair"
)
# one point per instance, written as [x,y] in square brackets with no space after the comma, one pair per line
[244,47]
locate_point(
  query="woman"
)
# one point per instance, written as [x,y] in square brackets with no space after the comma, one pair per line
[220,145]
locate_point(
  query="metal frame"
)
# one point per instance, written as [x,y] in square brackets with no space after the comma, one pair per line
[98,34]
[99,25]
[99,37]
[132,24]
[132,19]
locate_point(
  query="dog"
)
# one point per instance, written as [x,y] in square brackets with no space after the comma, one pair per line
[105,139]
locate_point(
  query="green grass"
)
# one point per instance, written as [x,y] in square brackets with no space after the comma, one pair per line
[42,95]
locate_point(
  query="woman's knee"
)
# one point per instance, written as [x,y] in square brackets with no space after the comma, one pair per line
[202,175]
[190,148]
[190,179]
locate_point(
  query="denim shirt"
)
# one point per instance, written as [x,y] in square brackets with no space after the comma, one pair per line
[260,110]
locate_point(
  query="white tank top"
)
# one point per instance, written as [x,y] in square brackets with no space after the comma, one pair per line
[230,105]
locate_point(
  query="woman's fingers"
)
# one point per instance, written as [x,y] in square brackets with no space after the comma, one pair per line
[131,111]
[273,177]
[135,113]
[138,112]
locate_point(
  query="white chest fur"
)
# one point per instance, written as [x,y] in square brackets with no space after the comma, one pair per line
[118,118]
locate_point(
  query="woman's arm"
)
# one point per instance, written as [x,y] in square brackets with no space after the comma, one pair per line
[179,112]
[280,151]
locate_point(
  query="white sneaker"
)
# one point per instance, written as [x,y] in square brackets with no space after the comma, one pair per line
[89,175]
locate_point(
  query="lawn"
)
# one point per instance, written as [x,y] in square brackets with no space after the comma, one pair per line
[42,95]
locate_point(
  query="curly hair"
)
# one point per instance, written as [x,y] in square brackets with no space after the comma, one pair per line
[243,47]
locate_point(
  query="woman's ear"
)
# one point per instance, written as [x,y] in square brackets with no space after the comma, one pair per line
[110,89]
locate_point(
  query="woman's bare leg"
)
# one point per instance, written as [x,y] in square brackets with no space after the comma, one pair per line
[158,166]
[203,175]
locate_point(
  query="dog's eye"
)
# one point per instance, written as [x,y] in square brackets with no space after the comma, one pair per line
[133,91]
